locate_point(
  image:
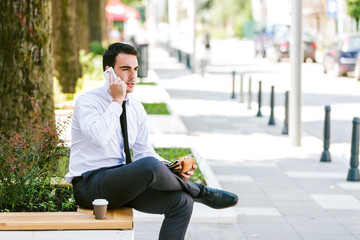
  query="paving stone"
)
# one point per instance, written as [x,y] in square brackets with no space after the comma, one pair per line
[328,236]
[332,201]
[256,211]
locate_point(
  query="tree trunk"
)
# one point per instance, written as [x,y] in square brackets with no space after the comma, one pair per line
[67,66]
[97,21]
[103,22]
[82,25]
[25,62]
[94,20]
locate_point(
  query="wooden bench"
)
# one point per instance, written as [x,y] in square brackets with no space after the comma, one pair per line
[44,225]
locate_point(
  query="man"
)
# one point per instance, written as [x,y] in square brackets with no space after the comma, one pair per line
[97,166]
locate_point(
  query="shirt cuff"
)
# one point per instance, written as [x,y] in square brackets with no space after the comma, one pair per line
[115,108]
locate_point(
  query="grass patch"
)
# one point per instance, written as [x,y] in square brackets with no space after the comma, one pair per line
[171,154]
[146,83]
[156,108]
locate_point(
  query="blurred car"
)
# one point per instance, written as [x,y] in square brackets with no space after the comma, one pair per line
[265,36]
[280,47]
[340,57]
[357,68]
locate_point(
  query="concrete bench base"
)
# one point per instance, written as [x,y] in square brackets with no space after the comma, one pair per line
[68,235]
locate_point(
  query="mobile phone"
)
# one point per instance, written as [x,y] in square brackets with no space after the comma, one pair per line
[107,74]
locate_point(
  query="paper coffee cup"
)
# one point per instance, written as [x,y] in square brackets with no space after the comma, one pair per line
[100,208]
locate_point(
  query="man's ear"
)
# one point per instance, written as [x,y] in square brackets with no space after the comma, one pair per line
[106,67]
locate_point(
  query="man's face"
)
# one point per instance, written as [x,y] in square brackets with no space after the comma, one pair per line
[126,67]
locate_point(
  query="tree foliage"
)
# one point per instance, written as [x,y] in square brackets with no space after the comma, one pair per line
[131,2]
[231,12]
[25,62]
[353,9]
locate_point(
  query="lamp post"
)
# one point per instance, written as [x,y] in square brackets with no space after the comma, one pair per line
[296,60]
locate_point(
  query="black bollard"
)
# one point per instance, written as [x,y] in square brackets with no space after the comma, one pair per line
[241,87]
[259,101]
[179,56]
[272,119]
[249,97]
[233,85]
[353,174]
[325,156]
[286,121]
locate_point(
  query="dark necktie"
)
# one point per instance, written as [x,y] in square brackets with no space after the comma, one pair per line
[123,125]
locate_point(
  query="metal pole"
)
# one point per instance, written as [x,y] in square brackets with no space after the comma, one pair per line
[259,101]
[286,121]
[325,156]
[241,88]
[272,120]
[233,85]
[353,174]
[202,66]
[192,64]
[249,97]
[296,61]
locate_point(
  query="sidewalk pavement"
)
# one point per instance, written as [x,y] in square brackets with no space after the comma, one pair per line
[285,192]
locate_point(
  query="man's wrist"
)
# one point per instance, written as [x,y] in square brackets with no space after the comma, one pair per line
[118,100]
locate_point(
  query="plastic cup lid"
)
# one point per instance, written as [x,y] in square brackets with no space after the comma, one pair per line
[100,202]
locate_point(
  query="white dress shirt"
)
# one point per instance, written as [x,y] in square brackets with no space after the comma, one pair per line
[97,139]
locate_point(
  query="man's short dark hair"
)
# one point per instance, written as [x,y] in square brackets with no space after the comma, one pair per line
[114,49]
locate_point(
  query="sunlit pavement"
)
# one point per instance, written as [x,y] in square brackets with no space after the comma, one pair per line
[285,192]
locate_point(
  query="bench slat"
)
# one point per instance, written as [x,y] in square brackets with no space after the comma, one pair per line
[121,218]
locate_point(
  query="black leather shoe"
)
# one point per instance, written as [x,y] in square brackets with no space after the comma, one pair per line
[216,198]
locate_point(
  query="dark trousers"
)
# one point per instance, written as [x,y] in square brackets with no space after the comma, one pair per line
[146,185]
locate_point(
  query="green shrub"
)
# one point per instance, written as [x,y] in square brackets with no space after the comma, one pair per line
[96,47]
[219,33]
[91,68]
[86,60]
[28,161]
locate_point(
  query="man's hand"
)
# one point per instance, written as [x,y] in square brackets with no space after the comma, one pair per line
[117,89]
[189,173]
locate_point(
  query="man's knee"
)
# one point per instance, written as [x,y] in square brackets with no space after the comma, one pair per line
[188,202]
[152,165]
[182,202]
